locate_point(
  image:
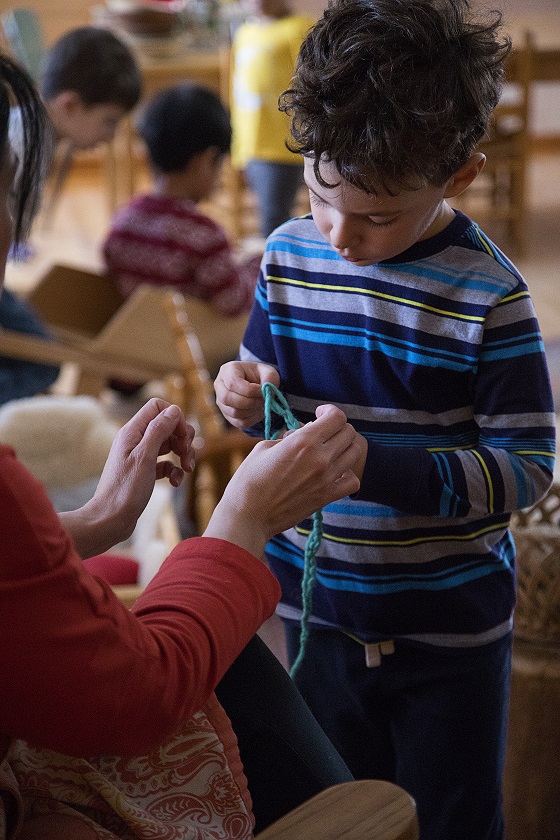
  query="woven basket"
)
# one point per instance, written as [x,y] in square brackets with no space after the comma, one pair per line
[537,538]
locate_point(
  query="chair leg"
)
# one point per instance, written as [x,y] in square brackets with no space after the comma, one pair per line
[61,172]
[517,223]
[120,173]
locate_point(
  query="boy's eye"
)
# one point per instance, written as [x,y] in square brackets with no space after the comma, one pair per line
[380,224]
[316,200]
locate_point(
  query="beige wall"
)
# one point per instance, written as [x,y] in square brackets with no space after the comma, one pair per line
[57,16]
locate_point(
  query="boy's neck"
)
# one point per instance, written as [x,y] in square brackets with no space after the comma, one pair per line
[176,185]
[443,218]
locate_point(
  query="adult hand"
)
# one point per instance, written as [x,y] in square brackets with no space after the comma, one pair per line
[128,479]
[282,482]
[238,391]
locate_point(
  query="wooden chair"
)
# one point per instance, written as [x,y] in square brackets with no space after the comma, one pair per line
[153,335]
[363,810]
[104,336]
[499,194]
[238,203]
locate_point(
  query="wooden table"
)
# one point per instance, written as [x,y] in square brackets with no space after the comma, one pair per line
[364,810]
[195,65]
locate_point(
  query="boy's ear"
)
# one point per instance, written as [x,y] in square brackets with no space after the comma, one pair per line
[210,155]
[67,102]
[464,176]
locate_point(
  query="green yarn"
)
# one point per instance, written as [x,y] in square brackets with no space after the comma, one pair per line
[275,402]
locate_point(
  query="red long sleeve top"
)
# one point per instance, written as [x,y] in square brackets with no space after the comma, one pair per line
[167,241]
[83,675]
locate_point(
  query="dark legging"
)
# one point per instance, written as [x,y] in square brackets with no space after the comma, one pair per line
[286,756]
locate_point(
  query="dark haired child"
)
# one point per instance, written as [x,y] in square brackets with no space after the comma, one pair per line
[89,81]
[400,310]
[163,238]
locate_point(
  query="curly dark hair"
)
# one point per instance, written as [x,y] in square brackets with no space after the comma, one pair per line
[396,92]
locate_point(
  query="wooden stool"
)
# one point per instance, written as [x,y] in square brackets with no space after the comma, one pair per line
[532,772]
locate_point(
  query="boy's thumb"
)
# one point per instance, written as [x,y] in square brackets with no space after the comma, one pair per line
[268,374]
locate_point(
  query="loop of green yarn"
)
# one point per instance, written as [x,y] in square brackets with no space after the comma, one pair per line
[275,402]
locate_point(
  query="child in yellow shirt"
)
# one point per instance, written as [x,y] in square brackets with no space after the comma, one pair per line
[264,53]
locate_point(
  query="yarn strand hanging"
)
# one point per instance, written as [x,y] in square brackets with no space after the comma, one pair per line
[276,403]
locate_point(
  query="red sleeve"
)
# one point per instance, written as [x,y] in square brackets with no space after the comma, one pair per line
[83,675]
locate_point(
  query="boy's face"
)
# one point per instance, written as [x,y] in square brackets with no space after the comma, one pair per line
[365,229]
[95,124]
[86,126]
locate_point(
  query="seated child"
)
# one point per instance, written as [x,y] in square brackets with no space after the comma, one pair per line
[163,238]
[20,378]
[90,80]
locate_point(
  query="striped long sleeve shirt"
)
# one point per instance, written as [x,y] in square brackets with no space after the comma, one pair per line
[436,358]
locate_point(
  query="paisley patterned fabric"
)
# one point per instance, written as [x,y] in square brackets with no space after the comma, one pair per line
[191,788]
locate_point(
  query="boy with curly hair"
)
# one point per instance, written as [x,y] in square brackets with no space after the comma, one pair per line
[389,303]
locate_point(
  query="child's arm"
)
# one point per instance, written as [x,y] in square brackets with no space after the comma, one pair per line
[510,465]
[238,391]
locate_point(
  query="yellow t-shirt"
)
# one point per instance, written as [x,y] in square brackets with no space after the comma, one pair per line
[264,54]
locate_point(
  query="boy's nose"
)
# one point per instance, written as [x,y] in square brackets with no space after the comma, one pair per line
[344,234]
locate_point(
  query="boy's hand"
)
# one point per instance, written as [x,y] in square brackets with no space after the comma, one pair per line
[238,391]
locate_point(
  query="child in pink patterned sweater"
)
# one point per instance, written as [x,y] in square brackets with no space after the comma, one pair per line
[163,238]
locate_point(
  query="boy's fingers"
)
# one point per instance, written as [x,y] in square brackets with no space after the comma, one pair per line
[268,374]
[346,484]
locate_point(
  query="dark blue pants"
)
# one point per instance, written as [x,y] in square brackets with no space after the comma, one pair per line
[286,756]
[432,720]
[19,378]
